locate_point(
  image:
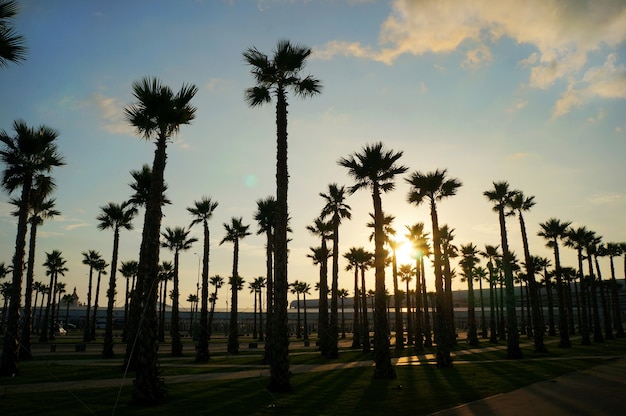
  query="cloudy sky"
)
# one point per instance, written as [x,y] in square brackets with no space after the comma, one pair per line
[530,92]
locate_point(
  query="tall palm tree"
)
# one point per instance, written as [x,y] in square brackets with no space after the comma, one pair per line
[542,264]
[100,267]
[176,240]
[116,217]
[335,208]
[399,325]
[433,187]
[418,239]
[468,263]
[42,208]
[500,196]
[266,220]
[142,180]
[480,274]
[128,269]
[28,154]
[600,250]
[44,290]
[37,290]
[406,275]
[68,300]
[520,203]
[166,273]
[305,289]
[157,115]
[12,45]
[296,289]
[216,281]
[255,288]
[448,252]
[614,250]
[55,265]
[590,247]
[320,256]
[375,168]
[235,231]
[343,294]
[491,254]
[202,211]
[352,256]
[275,76]
[554,230]
[365,260]
[578,239]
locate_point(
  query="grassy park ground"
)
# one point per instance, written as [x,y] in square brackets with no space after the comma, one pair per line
[65,382]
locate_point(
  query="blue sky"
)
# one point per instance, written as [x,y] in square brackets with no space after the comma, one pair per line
[530,92]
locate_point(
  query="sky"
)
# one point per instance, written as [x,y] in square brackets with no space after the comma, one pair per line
[530,92]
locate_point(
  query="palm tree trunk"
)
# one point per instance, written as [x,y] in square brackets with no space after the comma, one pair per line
[177,345]
[608,332]
[397,305]
[419,336]
[279,363]
[333,326]
[365,325]
[563,330]
[356,324]
[10,350]
[24,352]
[233,327]
[95,308]
[269,294]
[202,350]
[584,326]
[107,350]
[409,317]
[382,356]
[148,387]
[322,322]
[597,329]
[428,342]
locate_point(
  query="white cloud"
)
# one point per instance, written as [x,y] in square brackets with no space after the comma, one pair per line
[563,32]
[111,111]
[606,198]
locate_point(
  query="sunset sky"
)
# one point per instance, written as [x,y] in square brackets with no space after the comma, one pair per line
[530,92]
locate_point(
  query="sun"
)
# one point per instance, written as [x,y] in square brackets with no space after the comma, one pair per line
[405,252]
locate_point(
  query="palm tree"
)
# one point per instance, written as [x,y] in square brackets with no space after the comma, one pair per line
[418,239]
[434,186]
[295,289]
[492,255]
[12,45]
[202,211]
[320,256]
[218,282]
[142,180]
[42,208]
[448,251]
[375,168]
[614,250]
[500,195]
[44,290]
[68,300]
[166,273]
[578,239]
[60,291]
[176,240]
[600,250]
[520,203]
[157,114]
[255,288]
[343,294]
[37,289]
[192,299]
[100,267]
[55,264]
[116,217]
[393,245]
[28,154]
[305,289]
[480,274]
[265,218]
[553,230]
[128,269]
[274,76]
[468,263]
[542,264]
[590,246]
[352,256]
[235,231]
[337,210]
[406,275]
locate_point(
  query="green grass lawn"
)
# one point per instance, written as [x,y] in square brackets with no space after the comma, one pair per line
[419,389]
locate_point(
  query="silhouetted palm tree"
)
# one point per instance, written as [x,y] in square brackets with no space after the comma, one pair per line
[337,210]
[520,203]
[352,256]
[235,231]
[491,254]
[28,154]
[500,196]
[468,263]
[578,239]
[614,250]
[274,76]
[55,265]
[375,168]
[265,218]
[553,230]
[41,208]
[100,267]
[116,217]
[176,239]
[157,115]
[218,282]
[91,259]
[128,269]
[433,187]
[12,45]
[202,211]
[343,294]
[320,256]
